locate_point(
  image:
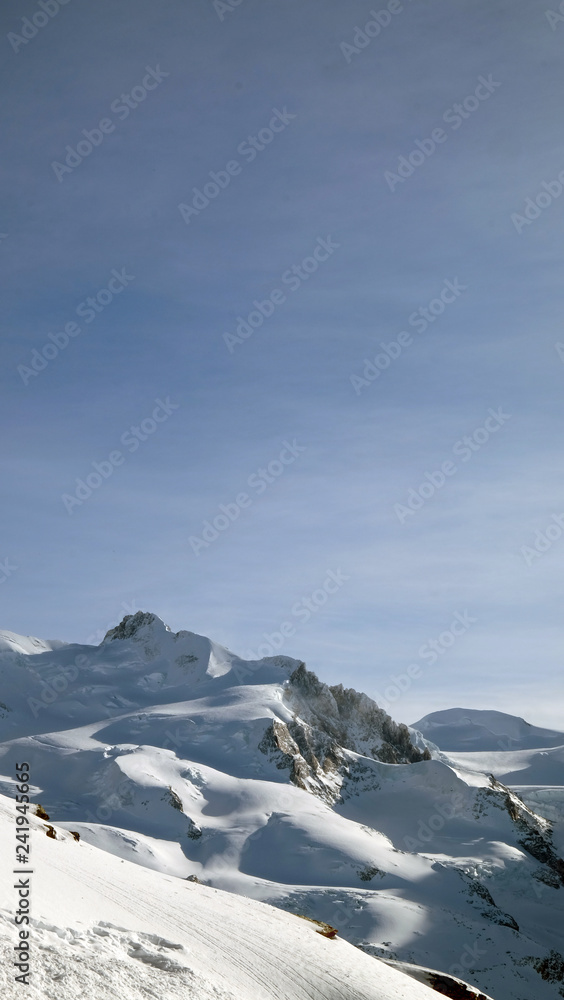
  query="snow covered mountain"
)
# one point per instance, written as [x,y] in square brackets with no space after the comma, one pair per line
[169,751]
[528,759]
[468,729]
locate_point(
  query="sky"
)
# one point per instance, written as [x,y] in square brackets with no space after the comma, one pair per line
[314,403]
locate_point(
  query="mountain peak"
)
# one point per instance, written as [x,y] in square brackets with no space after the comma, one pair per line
[131,626]
[468,729]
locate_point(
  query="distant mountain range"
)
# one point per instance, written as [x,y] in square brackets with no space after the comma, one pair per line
[467,730]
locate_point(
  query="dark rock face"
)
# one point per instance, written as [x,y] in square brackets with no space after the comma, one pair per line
[350,718]
[328,723]
[551,968]
[535,833]
[398,741]
[130,625]
[448,987]
[490,911]
[313,759]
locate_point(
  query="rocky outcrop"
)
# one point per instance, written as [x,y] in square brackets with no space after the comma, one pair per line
[328,723]
[351,719]
[535,833]
[313,759]
[483,898]
[131,625]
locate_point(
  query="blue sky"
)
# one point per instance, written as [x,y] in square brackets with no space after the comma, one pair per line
[362,439]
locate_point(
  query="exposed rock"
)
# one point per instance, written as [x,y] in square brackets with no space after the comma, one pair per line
[351,719]
[185,660]
[328,723]
[130,626]
[448,987]
[368,873]
[491,911]
[551,968]
[194,831]
[535,832]
[312,758]
[325,929]
[443,983]
[547,877]
[358,778]
[173,799]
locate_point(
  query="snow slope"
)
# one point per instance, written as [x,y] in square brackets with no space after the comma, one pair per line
[171,752]
[471,730]
[103,927]
[27,644]
[537,776]
[528,759]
